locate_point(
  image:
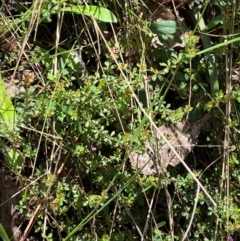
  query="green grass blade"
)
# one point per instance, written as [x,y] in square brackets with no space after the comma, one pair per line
[211,59]
[3,234]
[228,42]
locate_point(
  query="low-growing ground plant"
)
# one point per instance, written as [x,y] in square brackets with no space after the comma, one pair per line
[92,80]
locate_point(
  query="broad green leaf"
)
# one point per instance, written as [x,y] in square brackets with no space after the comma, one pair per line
[167,27]
[7,110]
[3,234]
[14,158]
[99,13]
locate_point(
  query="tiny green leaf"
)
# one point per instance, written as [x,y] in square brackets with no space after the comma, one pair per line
[195,88]
[182,85]
[99,13]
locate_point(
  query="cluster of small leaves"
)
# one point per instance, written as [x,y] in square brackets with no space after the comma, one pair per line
[191,41]
[89,115]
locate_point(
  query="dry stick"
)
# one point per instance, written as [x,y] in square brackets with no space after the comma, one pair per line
[193,212]
[133,220]
[17,193]
[30,223]
[170,211]
[148,216]
[153,124]
[40,132]
[171,147]
[226,154]
[29,30]
[196,201]
[220,196]
[228,112]
[64,162]
[32,220]
[227,128]
[113,219]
